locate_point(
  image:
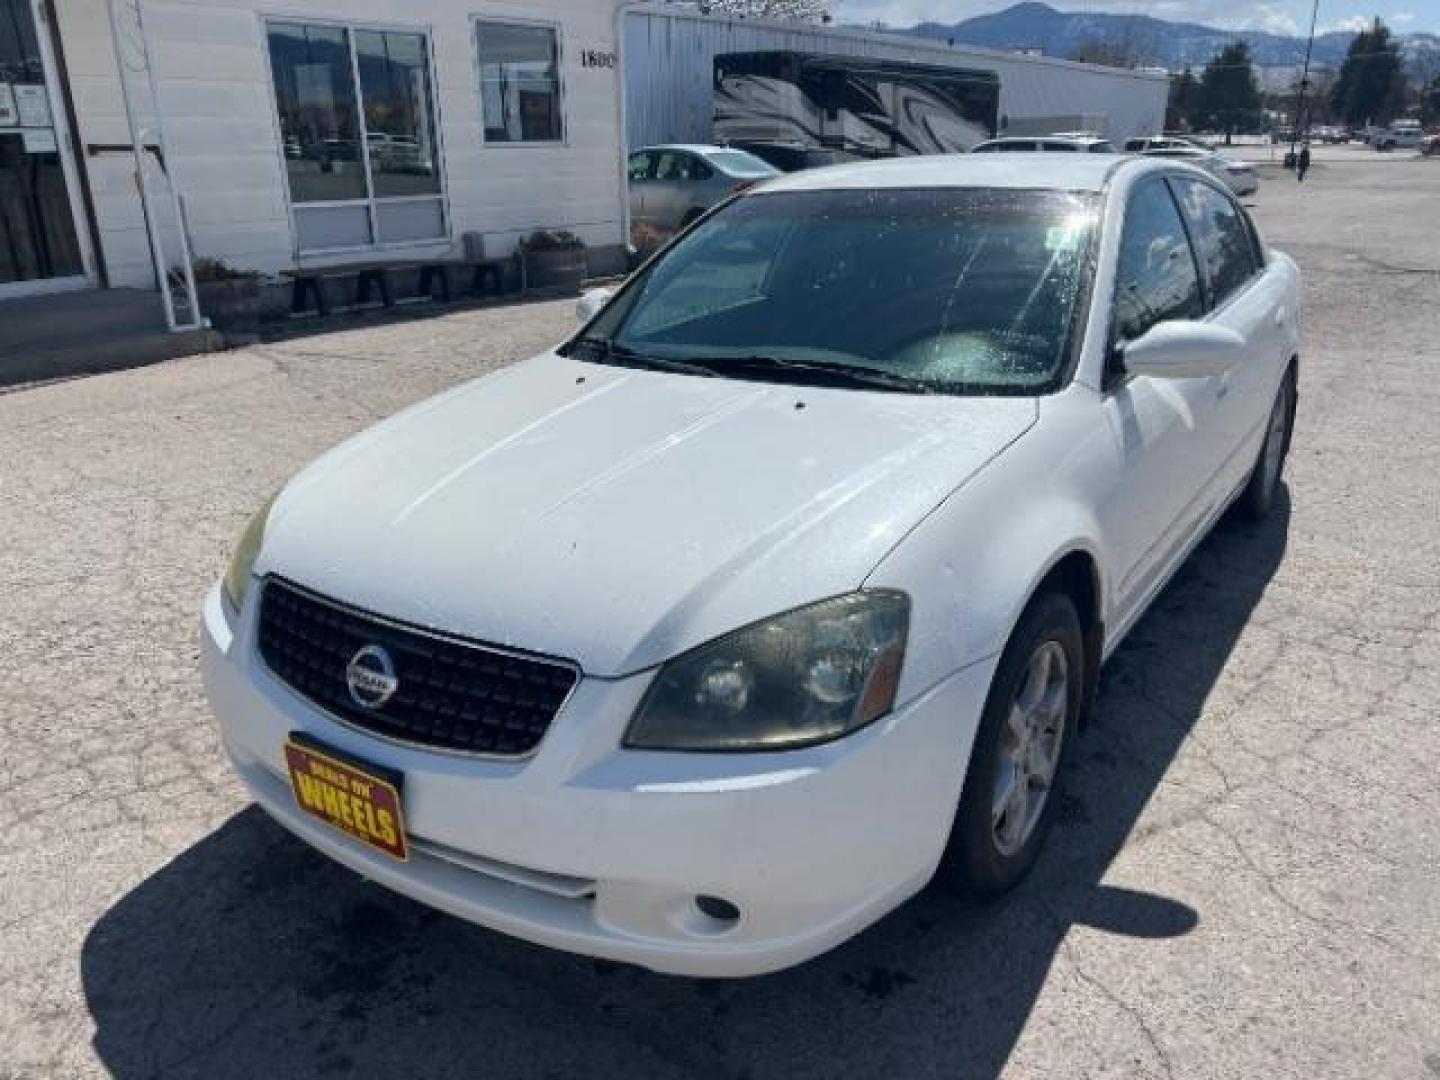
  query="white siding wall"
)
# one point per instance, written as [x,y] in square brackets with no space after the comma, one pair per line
[217,105]
[669,58]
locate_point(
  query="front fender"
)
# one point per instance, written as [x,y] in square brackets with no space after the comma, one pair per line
[972,566]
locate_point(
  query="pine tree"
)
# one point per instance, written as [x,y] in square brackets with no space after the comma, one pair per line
[1184,100]
[1371,86]
[1229,92]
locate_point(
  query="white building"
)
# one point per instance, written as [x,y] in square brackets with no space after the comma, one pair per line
[302,131]
[315,132]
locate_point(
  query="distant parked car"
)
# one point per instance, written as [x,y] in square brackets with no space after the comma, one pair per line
[1082,144]
[790,159]
[1146,143]
[1400,135]
[1240,176]
[671,186]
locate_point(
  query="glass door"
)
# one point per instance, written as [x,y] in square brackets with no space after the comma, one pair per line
[39,244]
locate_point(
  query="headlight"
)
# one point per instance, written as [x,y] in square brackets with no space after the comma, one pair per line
[237,577]
[805,677]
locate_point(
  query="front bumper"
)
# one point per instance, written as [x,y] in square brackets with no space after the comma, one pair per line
[602,851]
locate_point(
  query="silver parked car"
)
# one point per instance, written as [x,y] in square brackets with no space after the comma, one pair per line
[671,186]
[1240,177]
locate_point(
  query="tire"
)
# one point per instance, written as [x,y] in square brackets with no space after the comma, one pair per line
[990,850]
[1258,498]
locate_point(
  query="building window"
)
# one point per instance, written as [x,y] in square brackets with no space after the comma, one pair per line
[357,122]
[519,82]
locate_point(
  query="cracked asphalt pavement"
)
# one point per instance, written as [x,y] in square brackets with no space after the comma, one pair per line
[1245,880]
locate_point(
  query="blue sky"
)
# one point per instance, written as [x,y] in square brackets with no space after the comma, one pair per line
[1281,16]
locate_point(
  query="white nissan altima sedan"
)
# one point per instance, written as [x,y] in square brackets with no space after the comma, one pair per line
[710,636]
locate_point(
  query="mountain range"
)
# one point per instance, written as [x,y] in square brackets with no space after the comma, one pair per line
[1151,41]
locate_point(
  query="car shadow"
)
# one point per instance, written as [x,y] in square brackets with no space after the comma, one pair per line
[250,955]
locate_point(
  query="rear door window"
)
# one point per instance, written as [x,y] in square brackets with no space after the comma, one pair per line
[1225,246]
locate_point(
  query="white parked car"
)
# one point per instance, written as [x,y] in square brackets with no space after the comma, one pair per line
[1062,143]
[712,635]
[1241,177]
[1400,135]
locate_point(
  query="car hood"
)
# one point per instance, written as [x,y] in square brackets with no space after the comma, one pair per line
[617,517]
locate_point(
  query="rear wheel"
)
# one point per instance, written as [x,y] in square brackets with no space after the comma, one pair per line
[1258,498]
[1011,787]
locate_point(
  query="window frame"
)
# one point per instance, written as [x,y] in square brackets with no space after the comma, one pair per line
[561,88]
[425,31]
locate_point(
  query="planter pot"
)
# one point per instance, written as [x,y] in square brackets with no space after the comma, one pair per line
[550,269]
[232,304]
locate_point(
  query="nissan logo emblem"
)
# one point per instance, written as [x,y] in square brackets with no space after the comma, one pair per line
[371,678]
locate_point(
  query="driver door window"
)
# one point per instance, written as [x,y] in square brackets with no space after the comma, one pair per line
[1156,278]
[642,167]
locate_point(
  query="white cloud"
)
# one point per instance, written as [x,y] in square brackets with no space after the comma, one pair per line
[1350,24]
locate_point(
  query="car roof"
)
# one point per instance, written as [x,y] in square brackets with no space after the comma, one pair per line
[1062,172]
[690,148]
[1059,137]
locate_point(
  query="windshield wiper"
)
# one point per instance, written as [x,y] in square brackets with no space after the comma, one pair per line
[815,372]
[608,351]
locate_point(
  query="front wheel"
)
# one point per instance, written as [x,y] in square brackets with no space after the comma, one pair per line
[1258,498]
[1024,739]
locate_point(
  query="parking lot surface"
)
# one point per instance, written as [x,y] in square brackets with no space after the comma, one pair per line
[1244,881]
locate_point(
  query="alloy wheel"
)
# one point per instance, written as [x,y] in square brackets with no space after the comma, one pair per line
[1030,746]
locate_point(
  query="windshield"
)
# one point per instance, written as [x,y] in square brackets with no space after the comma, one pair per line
[949,290]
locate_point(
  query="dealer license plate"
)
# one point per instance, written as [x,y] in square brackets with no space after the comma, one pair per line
[359,800]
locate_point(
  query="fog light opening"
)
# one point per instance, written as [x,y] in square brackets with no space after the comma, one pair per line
[718,909]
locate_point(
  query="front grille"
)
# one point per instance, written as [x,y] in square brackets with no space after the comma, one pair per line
[452,695]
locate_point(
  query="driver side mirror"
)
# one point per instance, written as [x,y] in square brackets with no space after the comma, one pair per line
[590,304]
[1183,349]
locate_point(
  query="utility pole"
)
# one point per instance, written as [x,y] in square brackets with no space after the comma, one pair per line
[1304,81]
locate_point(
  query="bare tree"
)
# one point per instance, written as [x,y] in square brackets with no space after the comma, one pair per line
[1131,47]
[798,10]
